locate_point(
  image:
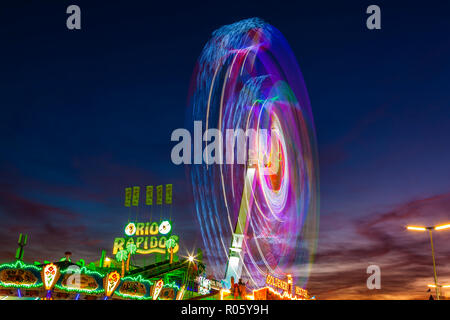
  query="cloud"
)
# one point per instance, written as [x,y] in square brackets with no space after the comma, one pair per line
[51,229]
[348,248]
[82,216]
[20,208]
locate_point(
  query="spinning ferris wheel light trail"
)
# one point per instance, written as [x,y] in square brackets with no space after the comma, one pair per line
[258,216]
[235,260]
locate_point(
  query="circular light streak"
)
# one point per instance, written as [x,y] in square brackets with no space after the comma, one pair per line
[247,78]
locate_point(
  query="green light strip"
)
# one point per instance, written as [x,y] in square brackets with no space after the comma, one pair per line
[21,265]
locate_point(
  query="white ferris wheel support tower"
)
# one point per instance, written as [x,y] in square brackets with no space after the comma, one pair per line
[235,258]
[271,166]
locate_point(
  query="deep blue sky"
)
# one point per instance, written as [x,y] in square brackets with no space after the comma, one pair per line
[86,113]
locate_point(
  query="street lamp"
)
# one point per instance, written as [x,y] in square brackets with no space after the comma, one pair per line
[430,230]
[440,286]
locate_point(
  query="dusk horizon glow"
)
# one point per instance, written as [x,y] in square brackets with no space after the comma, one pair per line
[87,113]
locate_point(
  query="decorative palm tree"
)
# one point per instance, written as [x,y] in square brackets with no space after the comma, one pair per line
[131,248]
[170,244]
[122,256]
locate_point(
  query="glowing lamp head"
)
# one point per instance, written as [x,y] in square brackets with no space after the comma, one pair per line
[442,227]
[414,228]
[191,259]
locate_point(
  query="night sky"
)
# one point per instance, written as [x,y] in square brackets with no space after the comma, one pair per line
[86,113]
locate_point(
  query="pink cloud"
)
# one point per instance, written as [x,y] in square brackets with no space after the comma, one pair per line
[347,248]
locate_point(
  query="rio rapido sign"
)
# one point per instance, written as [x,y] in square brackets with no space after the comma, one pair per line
[149,237]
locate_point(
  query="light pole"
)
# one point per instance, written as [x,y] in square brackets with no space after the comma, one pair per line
[438,286]
[430,231]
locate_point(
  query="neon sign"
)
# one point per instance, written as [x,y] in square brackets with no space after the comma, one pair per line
[286,286]
[19,275]
[50,274]
[149,237]
[133,288]
[130,229]
[277,283]
[157,289]
[300,292]
[165,227]
[111,282]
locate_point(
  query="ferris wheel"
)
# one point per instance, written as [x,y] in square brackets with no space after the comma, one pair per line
[258,207]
